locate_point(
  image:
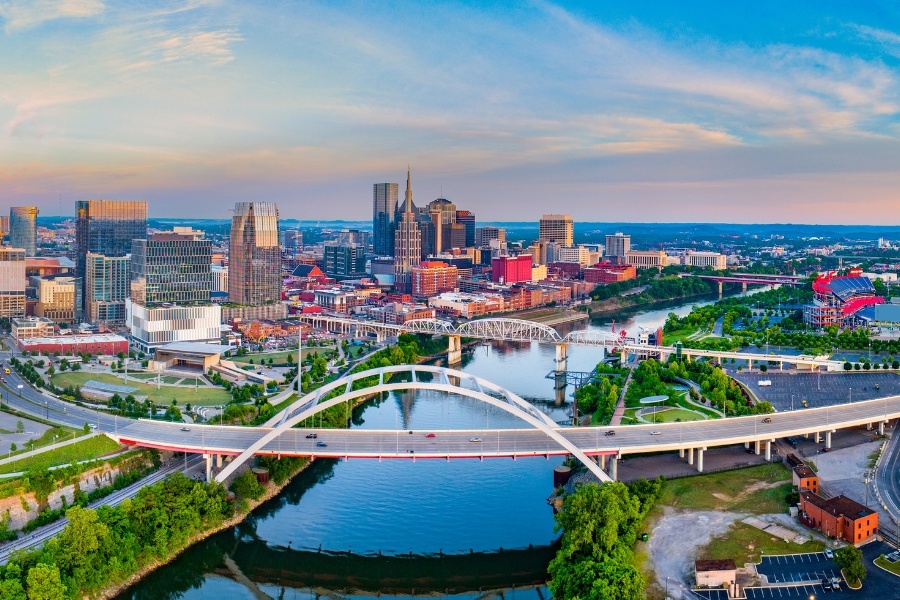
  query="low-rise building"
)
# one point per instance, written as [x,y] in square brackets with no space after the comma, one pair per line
[99,343]
[838,517]
[646,259]
[715,573]
[606,272]
[467,305]
[31,327]
[56,299]
[805,478]
[233,312]
[702,260]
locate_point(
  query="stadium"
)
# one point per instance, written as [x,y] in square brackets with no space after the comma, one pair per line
[841,300]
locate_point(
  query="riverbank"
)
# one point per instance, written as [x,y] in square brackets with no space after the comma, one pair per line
[549,316]
[271,492]
[617,303]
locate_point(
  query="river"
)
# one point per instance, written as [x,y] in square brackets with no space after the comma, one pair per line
[364,529]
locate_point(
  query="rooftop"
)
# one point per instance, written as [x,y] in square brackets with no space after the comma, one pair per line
[838,505]
[195,348]
[715,565]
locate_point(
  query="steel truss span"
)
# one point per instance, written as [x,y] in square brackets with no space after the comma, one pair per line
[441,379]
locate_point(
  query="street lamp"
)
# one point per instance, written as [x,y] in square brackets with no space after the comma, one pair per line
[792,402]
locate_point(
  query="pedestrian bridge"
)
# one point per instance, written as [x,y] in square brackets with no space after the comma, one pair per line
[279,437]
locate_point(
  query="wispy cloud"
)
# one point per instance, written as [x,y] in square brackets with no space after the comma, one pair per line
[22,14]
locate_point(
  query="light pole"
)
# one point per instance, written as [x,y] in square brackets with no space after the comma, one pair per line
[792,402]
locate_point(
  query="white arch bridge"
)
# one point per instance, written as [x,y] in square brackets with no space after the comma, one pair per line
[541,438]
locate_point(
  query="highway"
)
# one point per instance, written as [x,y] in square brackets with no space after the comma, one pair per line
[39,536]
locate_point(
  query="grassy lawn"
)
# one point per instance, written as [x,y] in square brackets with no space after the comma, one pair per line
[887,565]
[278,358]
[202,396]
[83,450]
[669,416]
[745,544]
[757,490]
[354,351]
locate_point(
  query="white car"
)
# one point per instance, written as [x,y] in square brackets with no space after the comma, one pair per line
[475,439]
[829,553]
[654,433]
[20,386]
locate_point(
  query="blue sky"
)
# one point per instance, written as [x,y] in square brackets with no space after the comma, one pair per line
[644,111]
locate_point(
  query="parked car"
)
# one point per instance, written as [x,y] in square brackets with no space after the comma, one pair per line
[312,436]
[321,444]
[828,553]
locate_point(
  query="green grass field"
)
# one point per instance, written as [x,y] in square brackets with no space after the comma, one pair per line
[278,358]
[756,490]
[83,450]
[202,396]
[669,416]
[745,544]
[889,566]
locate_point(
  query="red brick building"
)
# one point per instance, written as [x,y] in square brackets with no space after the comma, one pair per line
[606,272]
[432,278]
[838,517]
[100,343]
[805,479]
[511,269]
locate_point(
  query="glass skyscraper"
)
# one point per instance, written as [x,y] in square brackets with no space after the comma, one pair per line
[171,267]
[23,228]
[384,209]
[254,262]
[106,227]
[105,288]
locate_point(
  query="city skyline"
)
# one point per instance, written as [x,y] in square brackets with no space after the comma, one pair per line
[695,113]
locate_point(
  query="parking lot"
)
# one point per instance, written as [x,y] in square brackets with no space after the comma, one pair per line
[793,568]
[790,389]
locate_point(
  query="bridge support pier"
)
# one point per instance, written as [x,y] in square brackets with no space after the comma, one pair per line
[757,448]
[721,286]
[561,357]
[454,350]
[208,458]
[881,428]
[744,287]
[828,440]
[614,467]
[746,445]
[218,461]
[818,437]
[603,461]
[681,453]
[868,427]
[691,456]
[768,450]
[700,459]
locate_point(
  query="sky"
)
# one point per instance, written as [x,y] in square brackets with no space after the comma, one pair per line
[609,111]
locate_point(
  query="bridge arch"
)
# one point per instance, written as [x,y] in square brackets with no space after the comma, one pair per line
[427,326]
[309,405]
[509,329]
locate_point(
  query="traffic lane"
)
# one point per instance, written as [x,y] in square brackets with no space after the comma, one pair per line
[789,568]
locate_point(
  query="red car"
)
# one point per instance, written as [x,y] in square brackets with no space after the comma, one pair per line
[429,435]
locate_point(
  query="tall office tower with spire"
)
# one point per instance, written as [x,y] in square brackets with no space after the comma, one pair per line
[106,228]
[384,209]
[407,243]
[23,228]
[254,260]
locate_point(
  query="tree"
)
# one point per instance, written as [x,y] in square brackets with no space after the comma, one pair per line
[13,447]
[44,583]
[11,586]
[20,426]
[87,428]
[596,518]
[848,366]
[850,560]
[763,368]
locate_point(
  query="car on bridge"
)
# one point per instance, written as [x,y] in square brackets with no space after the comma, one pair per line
[654,433]
[312,436]
[767,420]
[185,428]
[430,435]
[475,439]
[610,432]
[321,444]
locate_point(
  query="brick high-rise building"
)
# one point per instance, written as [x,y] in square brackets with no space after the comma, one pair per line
[432,278]
[511,269]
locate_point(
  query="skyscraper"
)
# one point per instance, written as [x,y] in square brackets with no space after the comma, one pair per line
[170,290]
[105,227]
[12,282]
[384,207]
[407,243]
[467,218]
[23,228]
[105,286]
[254,267]
[557,228]
[617,246]
[443,215]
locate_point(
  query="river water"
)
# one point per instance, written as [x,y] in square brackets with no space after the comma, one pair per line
[398,528]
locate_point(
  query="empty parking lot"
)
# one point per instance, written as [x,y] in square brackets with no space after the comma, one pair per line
[789,389]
